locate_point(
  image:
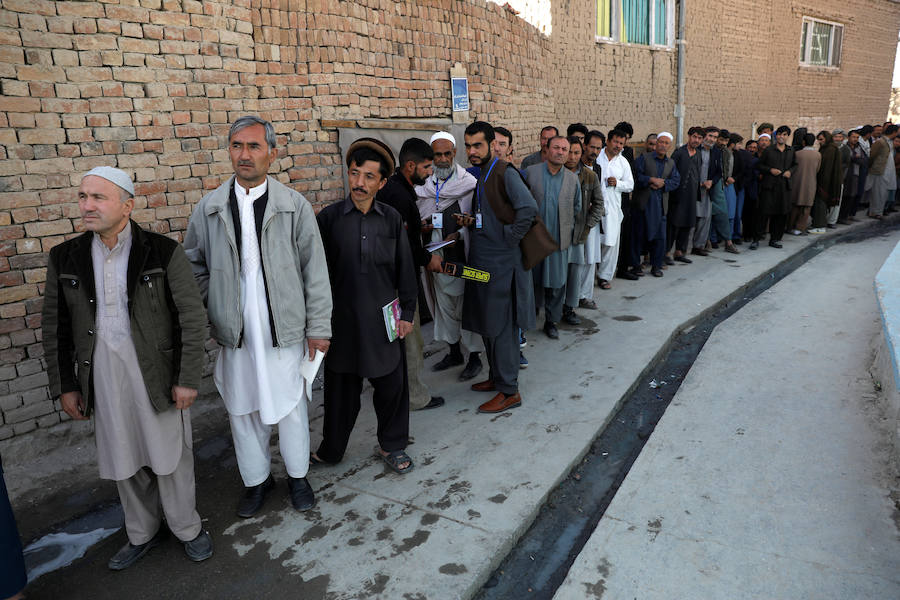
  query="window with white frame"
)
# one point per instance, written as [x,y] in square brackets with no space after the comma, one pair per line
[820,43]
[642,22]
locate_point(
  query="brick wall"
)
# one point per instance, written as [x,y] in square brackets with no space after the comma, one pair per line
[151,86]
[750,71]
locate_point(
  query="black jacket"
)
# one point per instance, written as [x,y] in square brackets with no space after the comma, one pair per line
[168,320]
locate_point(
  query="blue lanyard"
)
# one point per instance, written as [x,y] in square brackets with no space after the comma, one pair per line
[437,195]
[481,186]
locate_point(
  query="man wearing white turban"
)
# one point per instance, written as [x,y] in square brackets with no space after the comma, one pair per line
[446,193]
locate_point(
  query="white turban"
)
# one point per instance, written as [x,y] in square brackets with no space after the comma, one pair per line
[443,135]
[116,176]
[765,135]
[664,134]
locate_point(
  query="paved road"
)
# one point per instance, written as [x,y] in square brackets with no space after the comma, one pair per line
[440,531]
[768,476]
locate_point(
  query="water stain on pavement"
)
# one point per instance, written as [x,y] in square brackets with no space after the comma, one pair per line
[453,569]
[628,318]
[458,491]
[429,519]
[406,544]
[498,499]
[314,533]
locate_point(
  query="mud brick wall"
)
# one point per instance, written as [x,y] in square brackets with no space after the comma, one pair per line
[151,86]
[744,64]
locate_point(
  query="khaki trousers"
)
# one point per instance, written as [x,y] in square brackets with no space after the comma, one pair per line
[419,394]
[145,493]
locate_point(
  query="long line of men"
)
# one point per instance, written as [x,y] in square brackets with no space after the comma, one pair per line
[126,310]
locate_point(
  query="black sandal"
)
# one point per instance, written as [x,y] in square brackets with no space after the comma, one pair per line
[395,459]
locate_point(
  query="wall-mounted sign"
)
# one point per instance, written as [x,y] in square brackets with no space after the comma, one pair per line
[459,88]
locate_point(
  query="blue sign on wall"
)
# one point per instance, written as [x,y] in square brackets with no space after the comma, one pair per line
[459,88]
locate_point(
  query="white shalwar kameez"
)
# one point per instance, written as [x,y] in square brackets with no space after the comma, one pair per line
[619,168]
[443,293]
[261,384]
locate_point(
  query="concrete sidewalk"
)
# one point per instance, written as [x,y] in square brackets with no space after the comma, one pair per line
[769,474]
[479,480]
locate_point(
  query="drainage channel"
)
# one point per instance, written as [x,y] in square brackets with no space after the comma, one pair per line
[537,565]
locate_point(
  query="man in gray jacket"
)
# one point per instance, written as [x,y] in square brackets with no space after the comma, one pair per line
[258,257]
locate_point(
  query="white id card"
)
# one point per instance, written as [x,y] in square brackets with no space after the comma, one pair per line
[478,222]
[437,220]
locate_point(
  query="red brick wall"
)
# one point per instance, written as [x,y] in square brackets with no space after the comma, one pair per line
[151,87]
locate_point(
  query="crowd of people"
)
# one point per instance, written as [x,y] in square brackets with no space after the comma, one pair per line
[126,311]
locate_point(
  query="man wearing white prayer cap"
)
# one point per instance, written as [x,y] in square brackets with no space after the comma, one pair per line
[124,333]
[656,176]
[446,193]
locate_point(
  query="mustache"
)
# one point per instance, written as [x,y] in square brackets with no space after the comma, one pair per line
[358,189]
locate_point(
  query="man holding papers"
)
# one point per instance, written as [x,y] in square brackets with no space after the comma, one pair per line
[257,256]
[445,194]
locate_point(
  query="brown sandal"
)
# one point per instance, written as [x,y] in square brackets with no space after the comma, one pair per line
[604,284]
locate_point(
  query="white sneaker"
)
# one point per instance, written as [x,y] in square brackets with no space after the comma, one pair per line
[817,230]
[795,232]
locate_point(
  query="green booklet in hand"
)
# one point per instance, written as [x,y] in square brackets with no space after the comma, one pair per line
[391,312]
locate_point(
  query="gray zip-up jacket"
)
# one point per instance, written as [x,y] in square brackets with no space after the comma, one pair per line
[293,262]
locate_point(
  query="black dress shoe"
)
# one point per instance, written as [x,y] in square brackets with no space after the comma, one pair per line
[683,259]
[656,272]
[447,362]
[129,553]
[714,245]
[570,317]
[551,330]
[301,493]
[472,369]
[435,402]
[254,497]
[668,260]
[199,548]
[776,244]
[627,275]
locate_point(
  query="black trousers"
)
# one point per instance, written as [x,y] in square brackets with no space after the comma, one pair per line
[503,353]
[342,403]
[677,237]
[638,239]
[753,222]
[625,235]
[777,224]
[848,207]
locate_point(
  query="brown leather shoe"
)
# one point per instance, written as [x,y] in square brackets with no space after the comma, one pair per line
[500,403]
[484,386]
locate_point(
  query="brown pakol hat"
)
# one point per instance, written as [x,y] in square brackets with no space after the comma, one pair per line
[372,144]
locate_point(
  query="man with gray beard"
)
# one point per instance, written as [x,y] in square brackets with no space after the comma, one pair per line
[446,193]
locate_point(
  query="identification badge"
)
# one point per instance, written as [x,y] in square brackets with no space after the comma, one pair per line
[478,222]
[437,220]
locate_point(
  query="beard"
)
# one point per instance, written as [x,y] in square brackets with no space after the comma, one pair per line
[443,173]
[416,180]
